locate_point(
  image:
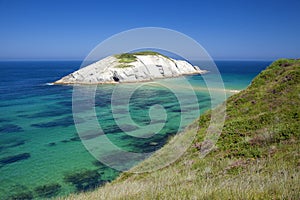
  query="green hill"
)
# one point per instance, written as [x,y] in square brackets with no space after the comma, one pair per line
[256,157]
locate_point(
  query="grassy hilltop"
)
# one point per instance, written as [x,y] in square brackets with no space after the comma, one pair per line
[256,157]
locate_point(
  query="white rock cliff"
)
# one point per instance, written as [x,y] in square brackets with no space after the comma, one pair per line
[144,68]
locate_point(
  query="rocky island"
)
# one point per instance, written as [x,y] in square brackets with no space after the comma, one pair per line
[130,67]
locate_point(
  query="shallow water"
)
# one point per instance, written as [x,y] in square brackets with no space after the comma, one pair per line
[39,143]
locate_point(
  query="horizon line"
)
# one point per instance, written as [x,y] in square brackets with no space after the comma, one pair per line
[78,59]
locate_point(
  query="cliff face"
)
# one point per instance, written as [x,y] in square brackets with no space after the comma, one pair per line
[130,68]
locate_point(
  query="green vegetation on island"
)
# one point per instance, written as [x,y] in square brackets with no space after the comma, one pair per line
[131,57]
[126,57]
[145,53]
[256,157]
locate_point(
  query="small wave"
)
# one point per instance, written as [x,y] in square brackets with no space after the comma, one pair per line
[234,91]
[49,84]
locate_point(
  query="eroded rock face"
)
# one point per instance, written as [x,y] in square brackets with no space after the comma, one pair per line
[144,68]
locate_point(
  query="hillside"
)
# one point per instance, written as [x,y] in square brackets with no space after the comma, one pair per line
[256,157]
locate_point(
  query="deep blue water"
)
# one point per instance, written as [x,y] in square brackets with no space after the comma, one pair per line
[39,144]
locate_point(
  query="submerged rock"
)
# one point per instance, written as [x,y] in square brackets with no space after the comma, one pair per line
[130,67]
[9,128]
[51,144]
[15,158]
[27,195]
[63,122]
[18,191]
[48,191]
[7,144]
[84,180]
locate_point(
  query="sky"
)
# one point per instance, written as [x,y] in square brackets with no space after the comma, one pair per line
[69,29]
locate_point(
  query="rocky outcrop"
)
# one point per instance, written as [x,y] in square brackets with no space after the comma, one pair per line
[142,68]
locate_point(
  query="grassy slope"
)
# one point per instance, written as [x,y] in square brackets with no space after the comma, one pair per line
[131,57]
[256,157]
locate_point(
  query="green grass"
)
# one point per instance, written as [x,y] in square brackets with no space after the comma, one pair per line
[256,157]
[153,53]
[126,57]
[131,57]
[146,53]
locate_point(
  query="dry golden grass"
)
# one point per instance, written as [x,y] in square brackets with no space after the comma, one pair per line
[269,178]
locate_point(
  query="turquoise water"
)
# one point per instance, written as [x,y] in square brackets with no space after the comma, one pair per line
[41,151]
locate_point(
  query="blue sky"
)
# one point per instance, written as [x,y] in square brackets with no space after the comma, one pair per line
[66,29]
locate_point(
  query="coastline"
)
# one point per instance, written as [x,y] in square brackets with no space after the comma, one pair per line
[46,128]
[59,82]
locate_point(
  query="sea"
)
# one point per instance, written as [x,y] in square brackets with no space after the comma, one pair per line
[42,153]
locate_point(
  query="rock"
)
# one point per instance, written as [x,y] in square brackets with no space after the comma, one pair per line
[10,128]
[22,195]
[141,66]
[51,144]
[84,180]
[48,190]
[15,158]
[153,143]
